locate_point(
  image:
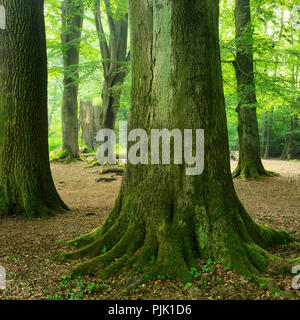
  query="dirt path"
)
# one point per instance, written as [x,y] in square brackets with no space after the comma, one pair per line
[28,247]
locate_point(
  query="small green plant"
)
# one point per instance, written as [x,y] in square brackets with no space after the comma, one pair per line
[138,271]
[91,287]
[152,261]
[57,296]
[205,268]
[277,294]
[202,283]
[24,284]
[103,285]
[194,272]
[14,257]
[188,285]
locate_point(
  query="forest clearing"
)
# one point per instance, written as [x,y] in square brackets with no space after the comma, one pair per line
[149,150]
[30,253]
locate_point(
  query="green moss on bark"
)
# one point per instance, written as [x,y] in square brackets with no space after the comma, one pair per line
[163,219]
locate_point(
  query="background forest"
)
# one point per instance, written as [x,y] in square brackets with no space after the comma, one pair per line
[276,41]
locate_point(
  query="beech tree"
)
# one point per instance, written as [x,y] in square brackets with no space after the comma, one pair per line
[163,219]
[114,59]
[26,184]
[249,164]
[72,17]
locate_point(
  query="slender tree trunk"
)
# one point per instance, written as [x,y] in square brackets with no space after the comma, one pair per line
[57,82]
[269,133]
[289,146]
[26,184]
[249,165]
[263,132]
[287,152]
[72,17]
[270,124]
[164,219]
[114,60]
[87,119]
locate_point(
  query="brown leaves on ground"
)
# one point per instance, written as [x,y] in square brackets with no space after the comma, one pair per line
[29,247]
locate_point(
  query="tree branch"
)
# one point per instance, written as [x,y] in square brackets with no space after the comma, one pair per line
[105,52]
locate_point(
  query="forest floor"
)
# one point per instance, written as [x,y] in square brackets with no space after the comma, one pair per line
[28,247]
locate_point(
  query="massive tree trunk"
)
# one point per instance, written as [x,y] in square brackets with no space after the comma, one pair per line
[26,184]
[72,17]
[249,165]
[114,60]
[164,219]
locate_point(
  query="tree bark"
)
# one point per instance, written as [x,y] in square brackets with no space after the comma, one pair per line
[269,133]
[263,132]
[53,109]
[87,122]
[114,60]
[164,219]
[26,184]
[270,124]
[249,164]
[287,152]
[72,18]
[289,146]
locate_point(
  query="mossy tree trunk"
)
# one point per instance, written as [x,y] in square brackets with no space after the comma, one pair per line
[249,164]
[72,18]
[162,228]
[26,184]
[115,59]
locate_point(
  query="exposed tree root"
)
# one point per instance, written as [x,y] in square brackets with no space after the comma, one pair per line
[30,200]
[129,241]
[252,172]
[60,155]
[117,170]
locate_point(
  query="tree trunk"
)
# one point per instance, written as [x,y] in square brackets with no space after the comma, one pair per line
[249,165]
[114,61]
[161,228]
[269,133]
[26,184]
[287,153]
[72,17]
[263,132]
[57,82]
[87,120]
